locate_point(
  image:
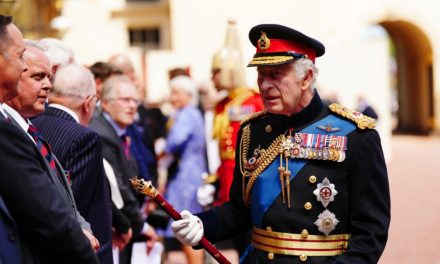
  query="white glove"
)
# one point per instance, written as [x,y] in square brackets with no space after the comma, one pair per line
[205,194]
[189,229]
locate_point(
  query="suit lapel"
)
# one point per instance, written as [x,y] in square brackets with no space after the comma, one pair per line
[60,182]
[109,132]
[65,183]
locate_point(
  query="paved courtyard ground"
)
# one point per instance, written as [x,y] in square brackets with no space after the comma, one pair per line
[414,173]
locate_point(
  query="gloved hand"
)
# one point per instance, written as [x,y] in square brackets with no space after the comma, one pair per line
[205,194]
[189,229]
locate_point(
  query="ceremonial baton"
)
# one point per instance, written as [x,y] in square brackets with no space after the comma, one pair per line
[145,187]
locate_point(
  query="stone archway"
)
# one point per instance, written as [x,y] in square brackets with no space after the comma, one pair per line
[415,91]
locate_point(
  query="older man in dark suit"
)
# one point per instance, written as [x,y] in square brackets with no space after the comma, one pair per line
[10,252]
[63,124]
[48,226]
[119,105]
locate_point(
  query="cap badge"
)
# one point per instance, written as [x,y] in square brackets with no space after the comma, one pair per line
[326,222]
[325,192]
[263,41]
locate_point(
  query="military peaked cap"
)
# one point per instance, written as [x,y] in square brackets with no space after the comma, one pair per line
[277,44]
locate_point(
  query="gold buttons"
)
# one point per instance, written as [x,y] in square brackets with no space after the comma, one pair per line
[268,129]
[308,206]
[229,142]
[303,257]
[312,179]
[304,233]
[230,129]
[270,256]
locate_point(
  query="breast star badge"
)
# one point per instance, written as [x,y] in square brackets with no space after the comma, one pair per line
[325,192]
[326,222]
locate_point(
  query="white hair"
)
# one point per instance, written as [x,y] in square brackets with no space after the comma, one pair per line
[58,52]
[33,43]
[109,87]
[184,83]
[74,80]
[302,66]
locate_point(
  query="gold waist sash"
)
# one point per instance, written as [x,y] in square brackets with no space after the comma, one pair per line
[297,245]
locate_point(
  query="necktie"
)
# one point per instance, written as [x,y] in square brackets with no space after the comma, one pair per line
[126,145]
[43,146]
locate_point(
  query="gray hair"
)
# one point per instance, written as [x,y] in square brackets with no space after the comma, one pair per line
[108,89]
[184,83]
[302,66]
[58,52]
[74,80]
[35,44]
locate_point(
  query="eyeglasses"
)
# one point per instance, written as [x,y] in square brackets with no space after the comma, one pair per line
[127,100]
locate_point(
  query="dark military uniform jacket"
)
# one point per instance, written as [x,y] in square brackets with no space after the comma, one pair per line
[336,206]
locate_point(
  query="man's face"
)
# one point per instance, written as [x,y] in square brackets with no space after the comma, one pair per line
[11,62]
[280,90]
[123,106]
[34,84]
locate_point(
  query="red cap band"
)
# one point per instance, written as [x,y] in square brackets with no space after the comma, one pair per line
[282,45]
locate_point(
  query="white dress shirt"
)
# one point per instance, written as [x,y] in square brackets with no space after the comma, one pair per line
[24,124]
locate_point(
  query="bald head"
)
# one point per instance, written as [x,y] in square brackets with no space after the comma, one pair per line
[122,62]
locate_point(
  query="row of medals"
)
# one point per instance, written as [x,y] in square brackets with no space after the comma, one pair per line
[305,146]
[301,145]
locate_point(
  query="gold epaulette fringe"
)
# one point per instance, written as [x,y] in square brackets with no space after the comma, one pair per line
[253,117]
[362,121]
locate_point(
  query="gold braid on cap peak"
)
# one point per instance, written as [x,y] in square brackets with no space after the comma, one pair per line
[253,117]
[362,121]
[263,60]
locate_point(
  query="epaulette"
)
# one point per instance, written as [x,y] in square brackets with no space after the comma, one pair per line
[253,117]
[362,121]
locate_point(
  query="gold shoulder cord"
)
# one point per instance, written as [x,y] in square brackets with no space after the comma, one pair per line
[266,157]
[362,121]
[253,116]
[244,148]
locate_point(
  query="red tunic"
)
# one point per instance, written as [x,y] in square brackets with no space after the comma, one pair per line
[240,104]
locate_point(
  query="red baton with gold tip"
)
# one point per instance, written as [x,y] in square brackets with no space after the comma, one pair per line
[148,189]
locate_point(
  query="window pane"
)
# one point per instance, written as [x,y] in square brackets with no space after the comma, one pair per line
[145,37]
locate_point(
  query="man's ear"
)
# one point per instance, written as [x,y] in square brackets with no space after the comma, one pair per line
[86,105]
[307,81]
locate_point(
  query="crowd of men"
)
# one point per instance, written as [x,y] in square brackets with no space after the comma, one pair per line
[65,193]
[293,168]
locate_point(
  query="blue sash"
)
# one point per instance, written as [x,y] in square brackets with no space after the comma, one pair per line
[267,187]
